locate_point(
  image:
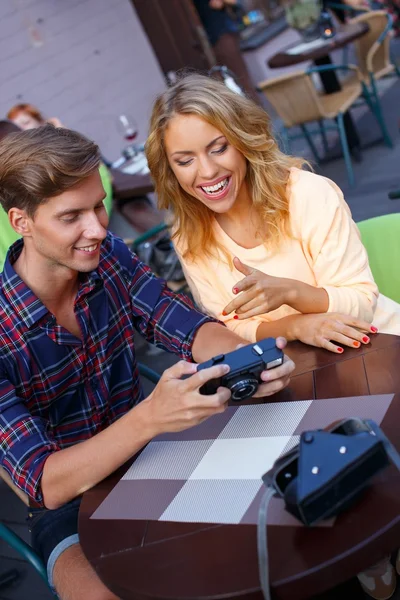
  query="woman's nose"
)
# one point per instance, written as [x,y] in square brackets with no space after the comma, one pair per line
[208,170]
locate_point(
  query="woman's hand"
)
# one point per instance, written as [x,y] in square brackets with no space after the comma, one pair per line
[261,293]
[329,329]
[258,293]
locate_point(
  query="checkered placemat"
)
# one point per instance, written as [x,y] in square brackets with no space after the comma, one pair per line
[212,473]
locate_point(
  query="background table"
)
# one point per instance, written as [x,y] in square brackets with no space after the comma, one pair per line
[161,560]
[321,56]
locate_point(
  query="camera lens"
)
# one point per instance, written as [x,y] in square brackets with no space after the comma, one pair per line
[242,389]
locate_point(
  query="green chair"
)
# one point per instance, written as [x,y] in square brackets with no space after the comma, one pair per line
[18,544]
[381,238]
[7,236]
[106,180]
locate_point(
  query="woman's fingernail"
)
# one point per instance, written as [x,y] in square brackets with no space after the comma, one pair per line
[356,344]
[374,329]
[223,313]
[340,350]
[235,317]
[365,339]
[235,290]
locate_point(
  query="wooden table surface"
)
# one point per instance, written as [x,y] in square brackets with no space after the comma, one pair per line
[162,560]
[345,35]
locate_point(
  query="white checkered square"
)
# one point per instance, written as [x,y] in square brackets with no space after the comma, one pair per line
[213,501]
[168,460]
[262,420]
[243,459]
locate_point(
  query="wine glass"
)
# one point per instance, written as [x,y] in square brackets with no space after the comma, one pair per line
[127,127]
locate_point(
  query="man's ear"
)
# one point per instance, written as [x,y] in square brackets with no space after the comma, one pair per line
[20,221]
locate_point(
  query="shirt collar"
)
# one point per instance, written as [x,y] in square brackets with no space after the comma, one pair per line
[28,306]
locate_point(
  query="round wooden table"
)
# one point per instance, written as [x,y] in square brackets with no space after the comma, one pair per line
[345,35]
[166,561]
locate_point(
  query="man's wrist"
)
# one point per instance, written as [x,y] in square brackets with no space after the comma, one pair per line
[143,416]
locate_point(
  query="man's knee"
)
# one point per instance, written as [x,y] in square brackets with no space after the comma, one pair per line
[74,578]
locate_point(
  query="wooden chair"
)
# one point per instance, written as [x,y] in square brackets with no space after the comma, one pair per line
[373,48]
[15,541]
[298,103]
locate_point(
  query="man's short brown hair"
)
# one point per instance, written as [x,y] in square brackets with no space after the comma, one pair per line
[38,164]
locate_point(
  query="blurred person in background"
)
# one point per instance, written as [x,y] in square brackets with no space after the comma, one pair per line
[223,35]
[27,116]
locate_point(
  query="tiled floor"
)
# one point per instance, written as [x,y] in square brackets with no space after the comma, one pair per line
[376,175]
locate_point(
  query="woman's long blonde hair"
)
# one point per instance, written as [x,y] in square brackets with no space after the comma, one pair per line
[247,127]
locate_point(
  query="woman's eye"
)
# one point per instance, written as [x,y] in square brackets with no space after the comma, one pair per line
[220,150]
[184,163]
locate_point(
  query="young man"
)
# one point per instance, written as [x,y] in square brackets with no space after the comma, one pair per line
[71,296]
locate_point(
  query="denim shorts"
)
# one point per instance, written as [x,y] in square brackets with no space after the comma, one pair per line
[53,531]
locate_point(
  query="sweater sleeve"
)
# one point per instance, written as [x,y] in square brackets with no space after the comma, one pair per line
[331,242]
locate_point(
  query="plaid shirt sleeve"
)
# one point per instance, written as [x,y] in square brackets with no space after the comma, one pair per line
[164,318]
[24,443]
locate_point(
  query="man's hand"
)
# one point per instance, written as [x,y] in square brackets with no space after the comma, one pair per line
[176,404]
[278,378]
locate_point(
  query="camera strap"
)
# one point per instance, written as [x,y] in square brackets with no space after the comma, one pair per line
[390,449]
[262,542]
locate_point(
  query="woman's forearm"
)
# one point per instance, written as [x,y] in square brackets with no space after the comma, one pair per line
[307,298]
[281,327]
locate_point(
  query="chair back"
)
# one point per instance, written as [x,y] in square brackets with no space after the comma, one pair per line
[381,238]
[373,53]
[294,98]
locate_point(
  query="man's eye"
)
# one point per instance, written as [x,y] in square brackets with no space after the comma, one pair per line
[69,219]
[220,150]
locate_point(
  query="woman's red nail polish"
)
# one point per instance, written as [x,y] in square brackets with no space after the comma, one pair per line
[235,317]
[235,290]
[374,329]
[340,350]
[365,339]
[356,344]
[223,313]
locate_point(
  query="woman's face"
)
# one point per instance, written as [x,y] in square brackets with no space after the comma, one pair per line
[206,166]
[26,121]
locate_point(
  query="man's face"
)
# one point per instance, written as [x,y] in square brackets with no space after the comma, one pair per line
[67,230]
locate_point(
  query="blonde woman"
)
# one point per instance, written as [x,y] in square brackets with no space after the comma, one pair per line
[267,247]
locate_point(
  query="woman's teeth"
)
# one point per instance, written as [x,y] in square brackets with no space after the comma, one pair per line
[214,189]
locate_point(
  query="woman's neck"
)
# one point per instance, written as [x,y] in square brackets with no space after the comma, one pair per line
[242,223]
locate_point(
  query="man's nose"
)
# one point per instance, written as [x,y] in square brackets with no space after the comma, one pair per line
[94,229]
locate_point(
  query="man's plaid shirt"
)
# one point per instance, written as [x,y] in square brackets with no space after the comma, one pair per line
[57,390]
